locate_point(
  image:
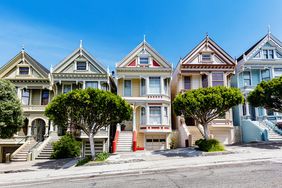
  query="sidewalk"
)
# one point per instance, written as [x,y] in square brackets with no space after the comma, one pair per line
[150,161]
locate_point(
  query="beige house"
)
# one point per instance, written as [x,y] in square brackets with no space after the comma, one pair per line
[34,90]
[81,70]
[205,66]
[143,79]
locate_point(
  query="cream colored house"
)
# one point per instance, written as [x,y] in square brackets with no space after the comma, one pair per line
[143,79]
[34,90]
[81,70]
[205,66]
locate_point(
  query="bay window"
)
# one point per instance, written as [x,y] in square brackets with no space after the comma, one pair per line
[66,88]
[165,115]
[155,85]
[143,116]
[143,86]
[25,96]
[247,78]
[265,74]
[217,79]
[127,88]
[155,115]
[45,97]
[205,82]
[92,84]
[187,82]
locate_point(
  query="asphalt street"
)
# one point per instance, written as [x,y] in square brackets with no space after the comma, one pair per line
[256,174]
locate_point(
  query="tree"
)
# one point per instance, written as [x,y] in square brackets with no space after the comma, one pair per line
[88,110]
[268,95]
[206,104]
[11,115]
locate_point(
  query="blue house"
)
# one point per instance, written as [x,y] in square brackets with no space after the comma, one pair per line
[263,61]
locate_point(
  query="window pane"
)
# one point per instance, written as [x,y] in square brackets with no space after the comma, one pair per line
[265,54]
[144,60]
[127,88]
[271,54]
[247,78]
[217,79]
[24,70]
[81,65]
[187,82]
[143,116]
[205,81]
[45,97]
[155,85]
[67,88]
[165,86]
[25,97]
[265,74]
[206,57]
[143,86]
[92,84]
[155,115]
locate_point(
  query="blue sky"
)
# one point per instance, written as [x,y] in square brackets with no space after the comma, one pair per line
[51,30]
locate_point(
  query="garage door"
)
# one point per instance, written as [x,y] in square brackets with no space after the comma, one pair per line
[155,143]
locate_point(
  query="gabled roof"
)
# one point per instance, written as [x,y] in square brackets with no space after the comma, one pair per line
[264,39]
[207,41]
[76,54]
[24,56]
[143,45]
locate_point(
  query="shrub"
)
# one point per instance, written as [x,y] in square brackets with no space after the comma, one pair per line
[210,145]
[83,161]
[102,156]
[173,141]
[66,147]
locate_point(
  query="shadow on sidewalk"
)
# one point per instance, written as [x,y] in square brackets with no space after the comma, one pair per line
[179,152]
[264,145]
[55,163]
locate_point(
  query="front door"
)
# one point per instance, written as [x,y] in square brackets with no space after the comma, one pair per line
[38,130]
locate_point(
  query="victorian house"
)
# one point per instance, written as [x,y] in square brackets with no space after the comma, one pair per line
[81,70]
[205,66]
[143,80]
[34,90]
[262,61]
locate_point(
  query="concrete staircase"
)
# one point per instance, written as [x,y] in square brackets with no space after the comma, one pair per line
[273,136]
[274,133]
[48,149]
[195,132]
[21,156]
[124,143]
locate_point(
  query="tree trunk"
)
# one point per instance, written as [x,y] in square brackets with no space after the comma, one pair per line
[206,131]
[92,147]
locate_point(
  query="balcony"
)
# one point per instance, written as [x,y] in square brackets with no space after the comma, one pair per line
[34,108]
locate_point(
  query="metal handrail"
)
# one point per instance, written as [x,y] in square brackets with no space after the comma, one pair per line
[273,127]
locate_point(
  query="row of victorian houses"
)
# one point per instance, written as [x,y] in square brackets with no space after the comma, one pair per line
[148,82]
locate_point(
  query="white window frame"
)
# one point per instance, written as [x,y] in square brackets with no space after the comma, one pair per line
[130,87]
[29,97]
[158,93]
[262,78]
[150,116]
[145,116]
[207,53]
[249,79]
[63,85]
[145,87]
[90,81]
[217,80]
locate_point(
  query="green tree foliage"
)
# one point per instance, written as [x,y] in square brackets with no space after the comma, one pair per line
[210,145]
[88,110]
[11,116]
[206,104]
[66,147]
[268,95]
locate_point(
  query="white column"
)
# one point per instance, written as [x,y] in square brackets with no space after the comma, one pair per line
[46,130]
[19,93]
[225,79]
[247,109]
[118,127]
[29,128]
[210,79]
[134,119]
[264,112]
[99,84]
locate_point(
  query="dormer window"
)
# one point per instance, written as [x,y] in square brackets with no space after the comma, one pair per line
[268,54]
[206,57]
[23,70]
[80,65]
[144,60]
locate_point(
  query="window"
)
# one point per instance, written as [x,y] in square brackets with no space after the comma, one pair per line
[155,115]
[80,65]
[217,79]
[205,81]
[24,70]
[44,97]
[187,82]
[165,115]
[247,78]
[104,86]
[206,57]
[166,86]
[277,72]
[268,54]
[92,84]
[143,116]
[143,86]
[66,88]
[127,88]
[144,60]
[25,96]
[155,85]
[265,74]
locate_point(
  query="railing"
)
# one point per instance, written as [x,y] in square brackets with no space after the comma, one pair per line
[37,148]
[34,107]
[114,149]
[19,149]
[272,126]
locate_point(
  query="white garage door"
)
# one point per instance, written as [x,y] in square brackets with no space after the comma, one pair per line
[155,143]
